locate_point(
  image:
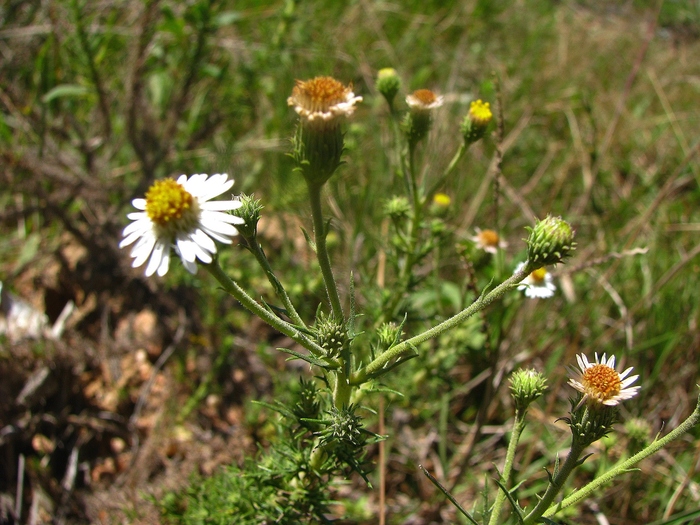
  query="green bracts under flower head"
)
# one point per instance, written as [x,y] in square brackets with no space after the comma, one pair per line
[550,242]
[526,386]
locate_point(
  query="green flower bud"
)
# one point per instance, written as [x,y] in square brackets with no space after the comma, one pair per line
[250,212]
[331,335]
[638,431]
[388,84]
[397,208]
[550,242]
[526,386]
[389,334]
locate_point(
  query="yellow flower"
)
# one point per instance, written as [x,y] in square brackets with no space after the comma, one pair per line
[480,113]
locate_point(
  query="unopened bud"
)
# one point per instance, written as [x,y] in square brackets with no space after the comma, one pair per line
[550,242]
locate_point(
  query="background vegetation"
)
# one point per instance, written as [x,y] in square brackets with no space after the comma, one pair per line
[153,379]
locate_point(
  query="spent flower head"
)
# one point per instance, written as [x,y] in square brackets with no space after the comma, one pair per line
[321,104]
[322,101]
[180,214]
[600,383]
[537,285]
[488,240]
[420,103]
[477,121]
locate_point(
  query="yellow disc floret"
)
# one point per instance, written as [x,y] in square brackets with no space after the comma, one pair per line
[320,93]
[489,238]
[168,204]
[601,382]
[538,275]
[480,112]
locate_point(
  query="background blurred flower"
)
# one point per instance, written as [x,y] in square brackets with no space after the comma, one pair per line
[537,285]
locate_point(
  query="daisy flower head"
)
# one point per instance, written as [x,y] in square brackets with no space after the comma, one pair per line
[424,100]
[600,383]
[180,214]
[537,285]
[488,240]
[322,101]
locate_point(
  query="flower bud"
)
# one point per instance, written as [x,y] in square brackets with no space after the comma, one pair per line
[526,386]
[389,334]
[388,84]
[549,242]
[476,121]
[397,208]
[250,213]
[331,335]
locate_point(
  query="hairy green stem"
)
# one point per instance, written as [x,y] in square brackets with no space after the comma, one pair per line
[557,482]
[253,306]
[507,474]
[625,466]
[405,347]
[450,168]
[322,251]
[281,293]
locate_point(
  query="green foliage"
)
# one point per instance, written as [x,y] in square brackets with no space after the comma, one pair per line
[98,100]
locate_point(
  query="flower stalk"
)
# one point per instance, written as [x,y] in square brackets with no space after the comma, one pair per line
[406,347]
[625,466]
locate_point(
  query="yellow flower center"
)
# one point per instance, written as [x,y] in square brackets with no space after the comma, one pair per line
[387,72]
[489,238]
[442,200]
[538,275]
[320,93]
[425,96]
[167,202]
[480,113]
[601,382]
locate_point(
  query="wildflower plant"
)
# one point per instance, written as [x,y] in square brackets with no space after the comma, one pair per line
[353,354]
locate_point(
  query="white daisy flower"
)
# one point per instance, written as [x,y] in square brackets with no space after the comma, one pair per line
[488,240]
[600,383]
[181,215]
[537,285]
[424,100]
[321,101]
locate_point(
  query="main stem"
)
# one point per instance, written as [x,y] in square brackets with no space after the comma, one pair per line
[408,345]
[507,474]
[322,251]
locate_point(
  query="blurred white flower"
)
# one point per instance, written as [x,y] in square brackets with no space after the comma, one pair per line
[537,285]
[488,240]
